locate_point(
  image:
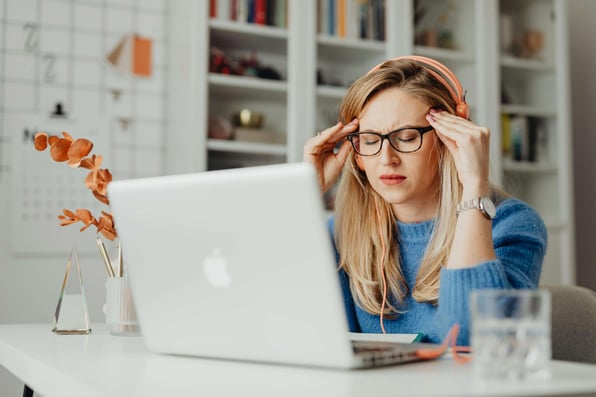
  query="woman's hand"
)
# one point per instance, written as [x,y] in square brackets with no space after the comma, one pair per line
[319,151]
[469,145]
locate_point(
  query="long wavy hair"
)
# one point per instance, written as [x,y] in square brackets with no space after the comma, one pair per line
[365,223]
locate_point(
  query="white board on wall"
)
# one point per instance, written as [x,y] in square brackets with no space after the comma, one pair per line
[53,53]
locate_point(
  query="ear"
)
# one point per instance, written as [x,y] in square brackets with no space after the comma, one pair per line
[360,163]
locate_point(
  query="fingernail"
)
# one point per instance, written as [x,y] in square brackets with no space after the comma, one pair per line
[433,110]
[354,121]
[430,117]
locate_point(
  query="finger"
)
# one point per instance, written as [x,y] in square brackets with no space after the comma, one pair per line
[343,152]
[448,119]
[338,131]
[329,131]
[455,129]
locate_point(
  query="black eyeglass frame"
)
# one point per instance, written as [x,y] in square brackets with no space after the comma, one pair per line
[421,131]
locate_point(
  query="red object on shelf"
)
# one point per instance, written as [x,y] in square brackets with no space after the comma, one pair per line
[260,12]
[212,8]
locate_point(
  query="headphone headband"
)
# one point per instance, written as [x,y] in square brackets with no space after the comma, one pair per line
[444,75]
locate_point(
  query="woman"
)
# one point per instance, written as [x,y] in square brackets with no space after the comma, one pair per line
[415,227]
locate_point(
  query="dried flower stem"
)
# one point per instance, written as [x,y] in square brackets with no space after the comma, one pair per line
[74,153]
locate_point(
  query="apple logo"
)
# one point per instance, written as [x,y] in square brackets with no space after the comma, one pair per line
[216,270]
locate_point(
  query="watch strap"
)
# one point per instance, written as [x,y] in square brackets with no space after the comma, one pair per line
[468,205]
[483,204]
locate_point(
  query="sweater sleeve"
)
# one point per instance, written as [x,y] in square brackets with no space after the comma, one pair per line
[519,237]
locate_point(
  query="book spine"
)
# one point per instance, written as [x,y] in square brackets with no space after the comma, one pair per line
[362,18]
[331,17]
[341,18]
[506,136]
[250,11]
[212,8]
[241,10]
[281,13]
[323,16]
[223,9]
[260,12]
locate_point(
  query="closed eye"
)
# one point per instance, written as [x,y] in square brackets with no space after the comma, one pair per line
[370,139]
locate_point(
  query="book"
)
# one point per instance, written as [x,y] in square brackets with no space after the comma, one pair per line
[400,338]
[518,128]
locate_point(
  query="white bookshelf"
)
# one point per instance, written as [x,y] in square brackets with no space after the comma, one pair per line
[298,105]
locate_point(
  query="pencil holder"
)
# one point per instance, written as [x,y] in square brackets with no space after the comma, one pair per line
[121,316]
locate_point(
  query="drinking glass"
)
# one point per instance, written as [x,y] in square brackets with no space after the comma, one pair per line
[511,334]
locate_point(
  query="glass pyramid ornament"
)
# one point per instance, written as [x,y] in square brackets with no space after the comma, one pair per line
[71,316]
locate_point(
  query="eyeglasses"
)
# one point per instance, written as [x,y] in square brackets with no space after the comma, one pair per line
[404,140]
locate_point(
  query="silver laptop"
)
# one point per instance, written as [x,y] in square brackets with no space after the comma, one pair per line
[238,264]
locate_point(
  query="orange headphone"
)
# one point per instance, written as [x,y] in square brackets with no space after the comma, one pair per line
[445,77]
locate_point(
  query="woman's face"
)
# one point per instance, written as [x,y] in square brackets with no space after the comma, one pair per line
[408,181]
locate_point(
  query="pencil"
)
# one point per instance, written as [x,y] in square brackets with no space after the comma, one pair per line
[120,264]
[105,257]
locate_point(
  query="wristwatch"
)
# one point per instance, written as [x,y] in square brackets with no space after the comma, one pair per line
[483,204]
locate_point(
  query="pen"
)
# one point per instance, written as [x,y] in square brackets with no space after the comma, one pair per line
[120,264]
[105,257]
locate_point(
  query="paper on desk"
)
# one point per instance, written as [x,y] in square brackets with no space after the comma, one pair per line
[401,338]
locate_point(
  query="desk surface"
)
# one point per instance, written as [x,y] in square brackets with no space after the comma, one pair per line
[101,365]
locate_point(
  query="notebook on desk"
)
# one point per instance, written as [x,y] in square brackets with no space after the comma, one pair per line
[238,264]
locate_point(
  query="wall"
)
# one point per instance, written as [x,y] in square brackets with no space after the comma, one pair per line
[54,51]
[583,88]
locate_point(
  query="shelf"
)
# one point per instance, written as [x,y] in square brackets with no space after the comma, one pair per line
[528,110]
[554,224]
[529,168]
[250,86]
[331,92]
[248,29]
[510,61]
[246,147]
[444,54]
[353,44]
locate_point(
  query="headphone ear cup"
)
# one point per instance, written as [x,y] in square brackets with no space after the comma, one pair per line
[463,110]
[359,163]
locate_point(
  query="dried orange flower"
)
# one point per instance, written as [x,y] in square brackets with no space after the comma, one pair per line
[74,153]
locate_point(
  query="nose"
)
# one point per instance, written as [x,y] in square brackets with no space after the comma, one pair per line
[388,155]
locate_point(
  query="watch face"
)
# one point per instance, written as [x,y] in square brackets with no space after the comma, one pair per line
[489,207]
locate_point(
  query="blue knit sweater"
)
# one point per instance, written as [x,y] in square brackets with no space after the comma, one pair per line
[519,237]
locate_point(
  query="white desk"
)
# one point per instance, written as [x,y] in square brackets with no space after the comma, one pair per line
[101,365]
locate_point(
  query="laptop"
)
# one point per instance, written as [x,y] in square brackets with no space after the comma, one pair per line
[238,264]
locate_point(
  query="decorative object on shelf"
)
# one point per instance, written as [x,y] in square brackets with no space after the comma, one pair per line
[528,44]
[221,63]
[435,24]
[249,118]
[323,80]
[71,316]
[248,127]
[219,128]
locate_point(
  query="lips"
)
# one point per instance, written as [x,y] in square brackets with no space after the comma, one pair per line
[392,179]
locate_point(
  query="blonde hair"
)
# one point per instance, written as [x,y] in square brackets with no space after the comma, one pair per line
[360,235]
